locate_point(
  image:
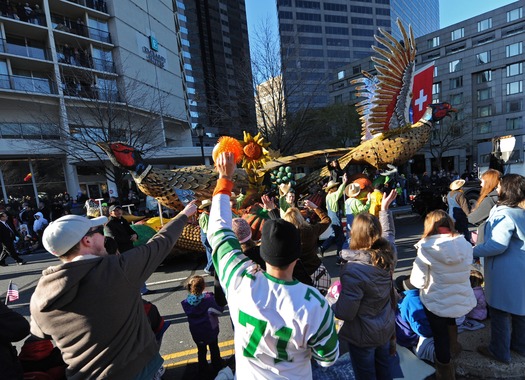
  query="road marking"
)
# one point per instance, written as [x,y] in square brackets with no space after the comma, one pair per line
[193,355]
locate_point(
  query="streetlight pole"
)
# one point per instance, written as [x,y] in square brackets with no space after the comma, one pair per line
[199,129]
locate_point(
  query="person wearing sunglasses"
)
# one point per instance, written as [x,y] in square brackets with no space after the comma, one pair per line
[90,303]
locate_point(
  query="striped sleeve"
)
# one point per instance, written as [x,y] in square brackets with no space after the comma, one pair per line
[324,344]
[228,259]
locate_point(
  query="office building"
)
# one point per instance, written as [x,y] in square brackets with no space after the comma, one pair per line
[318,37]
[479,70]
[217,65]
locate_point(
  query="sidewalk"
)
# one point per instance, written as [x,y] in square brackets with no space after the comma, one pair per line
[473,365]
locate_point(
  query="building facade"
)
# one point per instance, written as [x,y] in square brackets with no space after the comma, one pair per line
[70,70]
[318,37]
[479,70]
[217,65]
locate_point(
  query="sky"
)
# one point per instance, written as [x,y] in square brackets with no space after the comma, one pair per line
[450,11]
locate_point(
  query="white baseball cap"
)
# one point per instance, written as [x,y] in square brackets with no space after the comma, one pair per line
[62,234]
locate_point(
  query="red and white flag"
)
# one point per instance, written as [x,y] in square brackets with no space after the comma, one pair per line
[422,91]
[12,293]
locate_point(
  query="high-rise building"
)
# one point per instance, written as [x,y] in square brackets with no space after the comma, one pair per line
[87,69]
[478,68]
[217,65]
[317,37]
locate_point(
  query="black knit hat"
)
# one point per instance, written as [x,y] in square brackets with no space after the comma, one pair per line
[280,242]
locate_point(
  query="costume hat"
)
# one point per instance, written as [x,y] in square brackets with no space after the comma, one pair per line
[205,203]
[330,184]
[457,184]
[352,190]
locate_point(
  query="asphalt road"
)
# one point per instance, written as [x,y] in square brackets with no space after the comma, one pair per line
[167,287]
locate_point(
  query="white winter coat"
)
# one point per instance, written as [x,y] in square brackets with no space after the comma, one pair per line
[442,271]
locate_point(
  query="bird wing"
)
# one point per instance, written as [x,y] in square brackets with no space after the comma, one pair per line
[389,93]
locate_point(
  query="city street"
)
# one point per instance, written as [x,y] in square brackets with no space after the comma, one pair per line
[167,287]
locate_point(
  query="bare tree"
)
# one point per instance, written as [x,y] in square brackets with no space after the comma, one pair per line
[289,132]
[449,134]
[342,120]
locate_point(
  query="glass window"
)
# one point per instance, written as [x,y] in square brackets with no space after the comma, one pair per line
[285,3]
[336,30]
[514,14]
[338,99]
[362,43]
[485,94]
[307,4]
[357,9]
[515,69]
[363,32]
[311,53]
[513,123]
[454,66]
[310,40]
[362,21]
[457,34]
[356,69]
[436,88]
[483,58]
[514,105]
[456,99]
[305,28]
[485,127]
[286,27]
[484,76]
[385,23]
[485,111]
[308,16]
[435,71]
[515,87]
[335,7]
[340,53]
[514,49]
[286,15]
[433,42]
[383,11]
[484,24]
[336,18]
[341,74]
[336,42]
[456,82]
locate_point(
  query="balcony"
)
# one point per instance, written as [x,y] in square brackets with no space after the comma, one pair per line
[24,50]
[35,15]
[83,90]
[64,24]
[98,5]
[26,84]
[104,65]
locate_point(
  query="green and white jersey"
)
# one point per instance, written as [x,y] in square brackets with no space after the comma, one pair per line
[279,325]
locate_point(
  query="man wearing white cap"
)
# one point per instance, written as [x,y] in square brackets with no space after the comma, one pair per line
[90,303]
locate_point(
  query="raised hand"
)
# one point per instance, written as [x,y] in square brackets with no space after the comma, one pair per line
[226,165]
[190,209]
[388,199]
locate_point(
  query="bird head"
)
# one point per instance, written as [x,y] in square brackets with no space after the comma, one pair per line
[440,110]
[123,155]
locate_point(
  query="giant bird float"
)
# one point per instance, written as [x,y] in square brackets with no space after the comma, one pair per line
[388,138]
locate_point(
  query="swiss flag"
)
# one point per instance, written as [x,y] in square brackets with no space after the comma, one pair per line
[422,91]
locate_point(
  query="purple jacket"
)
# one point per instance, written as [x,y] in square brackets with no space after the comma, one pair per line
[202,317]
[480,311]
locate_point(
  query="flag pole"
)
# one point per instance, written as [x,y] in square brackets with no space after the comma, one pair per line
[7,295]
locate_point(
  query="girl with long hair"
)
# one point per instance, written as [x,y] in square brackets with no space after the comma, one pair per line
[488,197]
[442,273]
[366,303]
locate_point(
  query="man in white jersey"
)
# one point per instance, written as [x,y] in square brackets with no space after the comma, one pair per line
[280,323]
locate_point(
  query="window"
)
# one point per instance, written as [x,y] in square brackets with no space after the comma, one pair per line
[286,15]
[484,76]
[514,14]
[341,74]
[435,71]
[385,23]
[514,87]
[353,95]
[456,99]
[484,24]
[514,49]
[307,4]
[514,105]
[363,32]
[311,53]
[308,16]
[309,28]
[436,90]
[485,94]
[340,53]
[456,82]
[457,34]
[357,9]
[513,123]
[335,7]
[454,66]
[433,42]
[285,3]
[515,69]
[483,58]
[485,127]
[336,42]
[310,40]
[335,18]
[356,69]
[336,30]
[484,111]
[362,21]
[383,11]
[362,43]
[286,27]
[338,99]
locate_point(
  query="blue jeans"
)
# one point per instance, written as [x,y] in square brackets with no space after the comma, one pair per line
[206,244]
[338,236]
[507,332]
[370,362]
